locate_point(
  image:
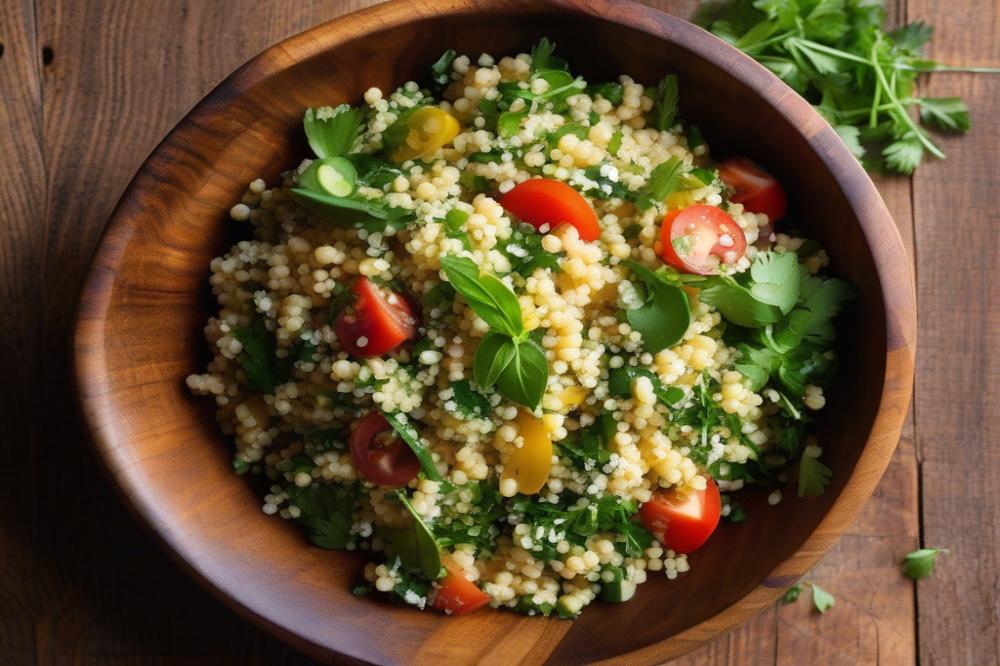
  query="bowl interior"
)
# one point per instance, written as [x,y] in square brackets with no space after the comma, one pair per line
[166,450]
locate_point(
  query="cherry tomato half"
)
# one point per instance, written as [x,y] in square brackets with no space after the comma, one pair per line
[380,455]
[683,523]
[697,239]
[756,189]
[379,321]
[457,594]
[543,201]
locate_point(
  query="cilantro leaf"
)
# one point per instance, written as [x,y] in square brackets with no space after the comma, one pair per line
[814,476]
[327,511]
[736,303]
[332,131]
[665,316]
[823,300]
[920,563]
[851,136]
[776,279]
[948,113]
[904,154]
[912,36]
[822,599]
[613,91]
[662,181]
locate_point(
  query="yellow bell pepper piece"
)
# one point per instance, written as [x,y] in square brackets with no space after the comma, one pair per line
[681,199]
[430,128]
[573,396]
[530,465]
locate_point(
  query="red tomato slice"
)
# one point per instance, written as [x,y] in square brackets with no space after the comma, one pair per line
[756,189]
[683,523]
[699,238]
[380,455]
[379,321]
[458,595]
[543,201]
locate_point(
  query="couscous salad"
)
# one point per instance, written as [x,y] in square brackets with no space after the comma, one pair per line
[519,337]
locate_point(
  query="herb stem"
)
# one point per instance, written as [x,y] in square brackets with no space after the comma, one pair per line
[901,113]
[949,68]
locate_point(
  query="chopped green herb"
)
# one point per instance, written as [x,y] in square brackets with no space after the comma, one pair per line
[441,69]
[665,104]
[792,594]
[822,599]
[662,181]
[920,563]
[469,403]
[332,131]
[814,476]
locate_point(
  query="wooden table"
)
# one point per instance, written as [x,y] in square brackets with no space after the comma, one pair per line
[88,87]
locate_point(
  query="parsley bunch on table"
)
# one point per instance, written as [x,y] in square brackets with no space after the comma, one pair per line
[861,78]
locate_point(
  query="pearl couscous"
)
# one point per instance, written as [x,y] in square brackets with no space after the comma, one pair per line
[512,333]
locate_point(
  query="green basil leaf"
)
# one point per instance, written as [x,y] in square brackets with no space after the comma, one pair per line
[415,546]
[666,315]
[401,424]
[354,212]
[493,355]
[332,131]
[488,297]
[524,379]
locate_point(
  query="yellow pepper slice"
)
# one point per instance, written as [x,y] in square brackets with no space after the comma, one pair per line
[530,465]
[681,199]
[573,396]
[430,128]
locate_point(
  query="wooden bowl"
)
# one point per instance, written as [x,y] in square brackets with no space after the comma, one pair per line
[145,302]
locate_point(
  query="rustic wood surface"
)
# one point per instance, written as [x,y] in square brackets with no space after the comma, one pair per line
[89,88]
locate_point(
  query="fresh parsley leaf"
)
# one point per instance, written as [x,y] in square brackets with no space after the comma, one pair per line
[737,514]
[612,91]
[822,599]
[851,136]
[409,434]
[948,113]
[912,36]
[822,299]
[327,511]
[373,171]
[736,303]
[665,316]
[792,594]
[920,563]
[904,154]
[489,298]
[441,69]
[332,131]
[542,58]
[775,278]
[665,104]
[524,378]
[258,358]
[615,143]
[662,181]
[814,476]
[469,403]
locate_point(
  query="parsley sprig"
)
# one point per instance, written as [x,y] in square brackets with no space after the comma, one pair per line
[862,79]
[506,357]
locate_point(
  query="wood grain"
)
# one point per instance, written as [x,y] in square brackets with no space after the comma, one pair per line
[22,172]
[136,68]
[958,429]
